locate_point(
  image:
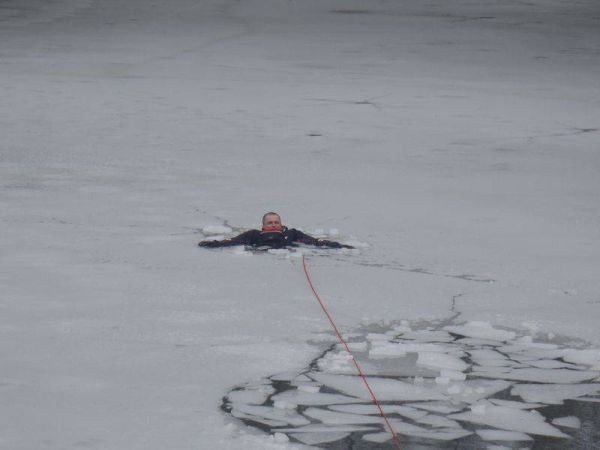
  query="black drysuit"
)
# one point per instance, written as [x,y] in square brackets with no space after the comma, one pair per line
[273,239]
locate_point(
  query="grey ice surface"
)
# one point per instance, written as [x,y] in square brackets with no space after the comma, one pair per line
[455,143]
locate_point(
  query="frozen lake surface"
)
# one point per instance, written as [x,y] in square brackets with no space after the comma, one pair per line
[455,143]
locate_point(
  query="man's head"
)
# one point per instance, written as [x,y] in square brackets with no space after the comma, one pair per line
[271,222]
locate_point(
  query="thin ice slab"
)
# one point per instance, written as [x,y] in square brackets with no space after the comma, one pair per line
[539,375]
[385,389]
[338,418]
[405,411]
[301,397]
[554,394]
[509,419]
[270,413]
[568,422]
[500,435]
[319,438]
[481,330]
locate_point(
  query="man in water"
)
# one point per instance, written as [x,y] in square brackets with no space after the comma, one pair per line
[274,235]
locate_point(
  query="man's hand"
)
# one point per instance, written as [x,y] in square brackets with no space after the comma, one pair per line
[331,244]
[210,244]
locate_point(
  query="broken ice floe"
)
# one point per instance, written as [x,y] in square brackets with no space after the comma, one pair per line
[469,382]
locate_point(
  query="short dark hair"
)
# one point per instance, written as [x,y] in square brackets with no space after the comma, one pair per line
[270,213]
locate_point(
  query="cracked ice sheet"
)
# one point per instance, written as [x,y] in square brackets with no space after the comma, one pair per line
[471,391]
[500,435]
[441,361]
[554,394]
[270,413]
[318,428]
[339,418]
[481,330]
[590,357]
[440,407]
[399,349]
[247,396]
[385,389]
[568,421]
[405,411]
[407,429]
[428,336]
[319,438]
[510,419]
[313,398]
[517,405]
[538,375]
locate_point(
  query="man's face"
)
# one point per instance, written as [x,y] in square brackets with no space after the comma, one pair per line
[272,223]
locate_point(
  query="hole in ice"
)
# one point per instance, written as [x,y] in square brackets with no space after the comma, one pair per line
[460,386]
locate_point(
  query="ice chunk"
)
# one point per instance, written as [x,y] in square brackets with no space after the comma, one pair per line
[357,346]
[499,435]
[428,336]
[440,407]
[268,422]
[471,391]
[478,342]
[533,350]
[511,419]
[247,396]
[216,229]
[280,438]
[285,376]
[319,438]
[378,337]
[398,349]
[405,411]
[310,388]
[320,428]
[313,398]
[270,413]
[553,394]
[443,434]
[441,361]
[385,389]
[539,375]
[439,421]
[590,357]
[481,330]
[338,418]
[513,404]
[453,375]
[482,363]
[568,421]
[552,364]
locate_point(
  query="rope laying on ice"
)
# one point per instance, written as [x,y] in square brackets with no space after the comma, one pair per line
[345,344]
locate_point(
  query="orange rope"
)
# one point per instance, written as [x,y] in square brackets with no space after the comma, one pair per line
[345,344]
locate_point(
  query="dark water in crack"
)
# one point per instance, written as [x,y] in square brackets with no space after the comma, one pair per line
[444,386]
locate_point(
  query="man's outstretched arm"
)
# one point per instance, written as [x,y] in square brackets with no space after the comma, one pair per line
[245,238]
[306,239]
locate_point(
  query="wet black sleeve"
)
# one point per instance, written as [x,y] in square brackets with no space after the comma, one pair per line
[299,236]
[246,238]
